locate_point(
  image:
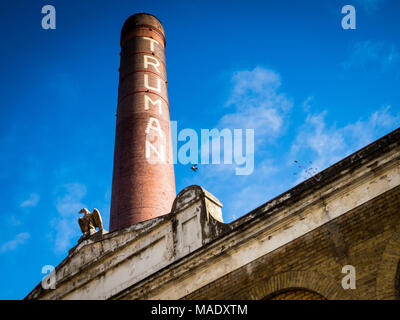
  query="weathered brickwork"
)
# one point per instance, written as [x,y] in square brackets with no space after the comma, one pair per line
[143,184]
[367,237]
[296,294]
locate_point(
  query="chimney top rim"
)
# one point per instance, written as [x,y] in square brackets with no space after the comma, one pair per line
[142,19]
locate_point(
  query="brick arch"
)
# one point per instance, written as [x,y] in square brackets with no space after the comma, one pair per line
[295,294]
[388,277]
[313,281]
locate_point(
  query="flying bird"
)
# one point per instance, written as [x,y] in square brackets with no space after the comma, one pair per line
[194,167]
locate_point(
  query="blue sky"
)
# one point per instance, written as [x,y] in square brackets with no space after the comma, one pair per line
[312,91]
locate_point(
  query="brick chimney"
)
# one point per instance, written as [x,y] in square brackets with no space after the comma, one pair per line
[143,184]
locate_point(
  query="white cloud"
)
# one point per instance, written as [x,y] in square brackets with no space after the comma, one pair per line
[18,240]
[324,145]
[307,104]
[68,204]
[257,104]
[372,53]
[248,83]
[32,201]
[13,221]
[70,201]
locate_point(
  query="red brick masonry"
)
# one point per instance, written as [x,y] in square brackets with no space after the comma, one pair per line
[142,189]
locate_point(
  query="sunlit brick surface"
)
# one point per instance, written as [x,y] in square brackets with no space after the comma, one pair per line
[143,179]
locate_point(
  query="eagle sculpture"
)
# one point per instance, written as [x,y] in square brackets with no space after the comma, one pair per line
[89,222]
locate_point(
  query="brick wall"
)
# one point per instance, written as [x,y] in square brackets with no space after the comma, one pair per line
[367,237]
[296,294]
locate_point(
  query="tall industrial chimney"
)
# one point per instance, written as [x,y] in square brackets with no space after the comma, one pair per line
[143,184]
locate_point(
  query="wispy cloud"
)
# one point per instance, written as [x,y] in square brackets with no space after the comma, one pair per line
[326,144]
[257,103]
[70,200]
[68,204]
[18,240]
[32,201]
[13,221]
[372,53]
[307,104]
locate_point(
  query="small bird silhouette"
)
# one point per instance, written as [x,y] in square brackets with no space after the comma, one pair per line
[307,170]
[194,167]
